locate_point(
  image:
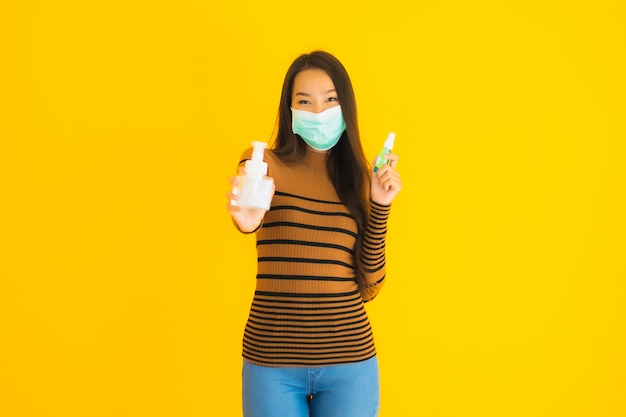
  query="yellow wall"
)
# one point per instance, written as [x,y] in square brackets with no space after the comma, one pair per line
[124,288]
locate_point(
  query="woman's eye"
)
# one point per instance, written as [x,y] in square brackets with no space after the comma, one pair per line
[304,102]
[331,99]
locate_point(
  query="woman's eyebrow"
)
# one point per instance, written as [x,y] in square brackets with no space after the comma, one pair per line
[300,93]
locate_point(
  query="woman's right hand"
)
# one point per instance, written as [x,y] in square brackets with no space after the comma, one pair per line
[247,219]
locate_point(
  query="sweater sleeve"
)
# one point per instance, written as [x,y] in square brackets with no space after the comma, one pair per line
[373,250]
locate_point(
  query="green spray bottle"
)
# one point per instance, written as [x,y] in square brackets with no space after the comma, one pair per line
[387,147]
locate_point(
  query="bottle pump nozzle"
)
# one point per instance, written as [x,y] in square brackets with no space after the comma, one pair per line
[256,166]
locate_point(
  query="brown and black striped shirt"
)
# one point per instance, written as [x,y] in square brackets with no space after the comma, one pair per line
[308,309]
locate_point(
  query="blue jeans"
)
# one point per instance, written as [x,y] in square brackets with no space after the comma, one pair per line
[350,390]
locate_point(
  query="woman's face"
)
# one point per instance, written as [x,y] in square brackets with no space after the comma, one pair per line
[313,91]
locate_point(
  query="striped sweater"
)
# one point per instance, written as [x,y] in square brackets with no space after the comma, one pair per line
[308,309]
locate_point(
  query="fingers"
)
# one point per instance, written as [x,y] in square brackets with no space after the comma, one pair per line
[232,194]
[392,159]
[392,162]
[388,178]
[232,198]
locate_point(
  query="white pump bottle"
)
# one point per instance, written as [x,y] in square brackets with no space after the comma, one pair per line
[255,187]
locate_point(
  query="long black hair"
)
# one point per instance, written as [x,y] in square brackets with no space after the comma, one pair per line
[346,164]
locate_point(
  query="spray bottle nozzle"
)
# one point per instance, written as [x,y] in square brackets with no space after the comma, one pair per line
[389,141]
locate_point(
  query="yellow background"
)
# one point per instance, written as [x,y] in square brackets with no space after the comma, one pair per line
[124,287]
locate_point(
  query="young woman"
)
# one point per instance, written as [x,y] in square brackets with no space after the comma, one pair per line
[308,347]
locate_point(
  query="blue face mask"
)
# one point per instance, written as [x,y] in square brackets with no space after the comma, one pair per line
[321,131]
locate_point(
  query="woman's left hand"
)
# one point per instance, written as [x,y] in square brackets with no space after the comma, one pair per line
[386,182]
